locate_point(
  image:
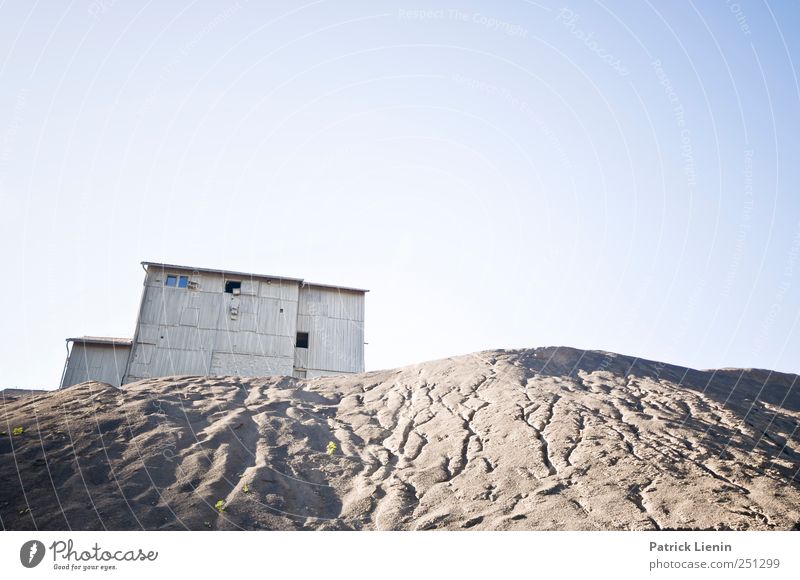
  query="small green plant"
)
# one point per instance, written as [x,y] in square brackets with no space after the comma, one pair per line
[246,488]
[220,506]
[17,431]
[332,448]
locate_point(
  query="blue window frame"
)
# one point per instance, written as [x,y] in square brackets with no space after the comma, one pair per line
[174,281]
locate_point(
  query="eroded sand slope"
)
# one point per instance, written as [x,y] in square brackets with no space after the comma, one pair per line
[551,438]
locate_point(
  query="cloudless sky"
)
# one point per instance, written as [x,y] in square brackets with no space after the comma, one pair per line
[610,175]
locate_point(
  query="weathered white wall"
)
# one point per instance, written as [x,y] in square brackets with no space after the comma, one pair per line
[334,319]
[205,331]
[95,362]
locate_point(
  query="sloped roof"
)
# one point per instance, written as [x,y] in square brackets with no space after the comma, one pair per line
[102,340]
[300,281]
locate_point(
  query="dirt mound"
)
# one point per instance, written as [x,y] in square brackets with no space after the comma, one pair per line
[550,438]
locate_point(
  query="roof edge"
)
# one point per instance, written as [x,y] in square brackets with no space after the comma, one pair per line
[335,287]
[102,340]
[300,281]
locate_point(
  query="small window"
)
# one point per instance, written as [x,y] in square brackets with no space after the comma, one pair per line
[174,281]
[302,340]
[231,285]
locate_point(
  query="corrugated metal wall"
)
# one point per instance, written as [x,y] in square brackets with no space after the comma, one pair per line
[202,330]
[95,362]
[334,320]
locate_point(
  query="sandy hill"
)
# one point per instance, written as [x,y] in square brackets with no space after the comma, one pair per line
[14,392]
[551,438]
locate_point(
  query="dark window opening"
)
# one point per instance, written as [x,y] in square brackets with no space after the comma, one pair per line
[302,340]
[183,281]
[172,280]
[230,286]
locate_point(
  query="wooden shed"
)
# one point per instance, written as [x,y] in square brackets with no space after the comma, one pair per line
[96,358]
[202,321]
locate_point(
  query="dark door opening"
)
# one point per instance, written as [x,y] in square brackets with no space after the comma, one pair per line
[302,340]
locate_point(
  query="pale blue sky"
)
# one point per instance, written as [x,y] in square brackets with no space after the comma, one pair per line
[620,176]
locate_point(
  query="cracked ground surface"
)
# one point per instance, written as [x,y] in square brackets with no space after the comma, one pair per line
[539,439]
